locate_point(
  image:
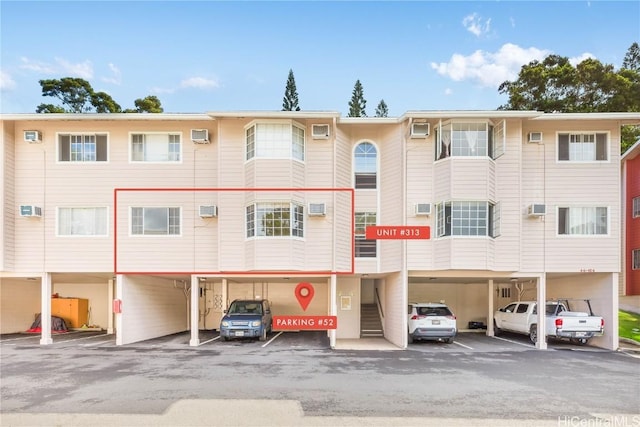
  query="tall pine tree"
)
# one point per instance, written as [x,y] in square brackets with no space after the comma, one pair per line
[382,110]
[357,104]
[290,100]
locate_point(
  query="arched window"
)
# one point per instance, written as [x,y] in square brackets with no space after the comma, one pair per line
[365,166]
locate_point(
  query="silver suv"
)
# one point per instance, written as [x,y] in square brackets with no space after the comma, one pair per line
[431,321]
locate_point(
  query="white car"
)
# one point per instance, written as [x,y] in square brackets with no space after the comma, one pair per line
[431,321]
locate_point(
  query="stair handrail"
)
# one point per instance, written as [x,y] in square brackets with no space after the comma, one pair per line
[379,307]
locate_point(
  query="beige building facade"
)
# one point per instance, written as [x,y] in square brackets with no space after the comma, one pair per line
[172,216]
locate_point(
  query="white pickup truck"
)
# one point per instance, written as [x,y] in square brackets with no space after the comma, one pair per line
[565,318]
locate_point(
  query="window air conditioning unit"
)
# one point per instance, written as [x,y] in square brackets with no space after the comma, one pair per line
[420,130]
[200,136]
[535,137]
[317,209]
[537,210]
[30,211]
[320,131]
[32,136]
[423,208]
[208,211]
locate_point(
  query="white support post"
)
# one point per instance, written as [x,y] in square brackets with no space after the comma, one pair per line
[195,311]
[333,307]
[490,332]
[118,316]
[542,312]
[45,309]
[110,298]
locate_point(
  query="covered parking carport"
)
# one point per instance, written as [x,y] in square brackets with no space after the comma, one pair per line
[477,295]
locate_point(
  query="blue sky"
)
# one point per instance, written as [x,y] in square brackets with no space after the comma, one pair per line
[235,55]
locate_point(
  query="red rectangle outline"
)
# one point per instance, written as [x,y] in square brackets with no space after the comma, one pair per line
[229,189]
[299,327]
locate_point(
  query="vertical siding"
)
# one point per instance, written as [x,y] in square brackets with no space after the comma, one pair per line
[391,200]
[19,305]
[8,205]
[395,309]
[632,226]
[152,307]
[343,248]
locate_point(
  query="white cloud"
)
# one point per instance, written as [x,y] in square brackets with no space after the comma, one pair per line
[191,82]
[578,59]
[448,91]
[199,82]
[489,69]
[475,24]
[6,82]
[61,66]
[117,75]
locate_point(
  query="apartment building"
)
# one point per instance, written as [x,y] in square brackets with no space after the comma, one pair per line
[160,220]
[631,224]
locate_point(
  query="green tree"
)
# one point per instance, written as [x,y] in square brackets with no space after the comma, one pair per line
[77,96]
[290,100]
[149,104]
[554,85]
[632,58]
[357,104]
[382,110]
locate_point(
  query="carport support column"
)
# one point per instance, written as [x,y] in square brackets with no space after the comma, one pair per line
[490,331]
[45,309]
[542,312]
[195,311]
[333,307]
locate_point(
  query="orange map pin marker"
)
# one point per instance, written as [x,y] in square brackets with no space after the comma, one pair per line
[304,294]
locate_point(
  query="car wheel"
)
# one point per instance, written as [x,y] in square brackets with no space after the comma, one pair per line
[496,331]
[533,333]
[449,340]
[410,338]
[263,334]
[226,338]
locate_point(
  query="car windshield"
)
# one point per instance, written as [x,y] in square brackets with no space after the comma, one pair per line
[433,311]
[245,307]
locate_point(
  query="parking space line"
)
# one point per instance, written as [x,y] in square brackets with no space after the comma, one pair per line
[212,339]
[513,342]
[21,338]
[82,338]
[462,345]
[271,340]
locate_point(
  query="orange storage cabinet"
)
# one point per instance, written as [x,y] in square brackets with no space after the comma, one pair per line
[74,311]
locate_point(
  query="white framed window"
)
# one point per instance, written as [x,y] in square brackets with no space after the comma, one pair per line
[583,147]
[155,221]
[277,140]
[365,166]
[85,221]
[156,147]
[470,139]
[636,207]
[583,221]
[275,219]
[364,248]
[635,259]
[468,218]
[82,147]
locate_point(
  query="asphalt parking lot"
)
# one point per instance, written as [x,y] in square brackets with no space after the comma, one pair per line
[295,379]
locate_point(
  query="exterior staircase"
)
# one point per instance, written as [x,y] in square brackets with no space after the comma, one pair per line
[370,323]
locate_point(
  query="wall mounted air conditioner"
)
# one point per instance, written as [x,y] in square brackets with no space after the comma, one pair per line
[537,210]
[320,131]
[317,209]
[30,211]
[423,209]
[200,136]
[535,137]
[32,136]
[208,211]
[420,130]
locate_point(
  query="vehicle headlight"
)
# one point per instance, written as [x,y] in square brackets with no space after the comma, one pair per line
[225,323]
[256,323]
